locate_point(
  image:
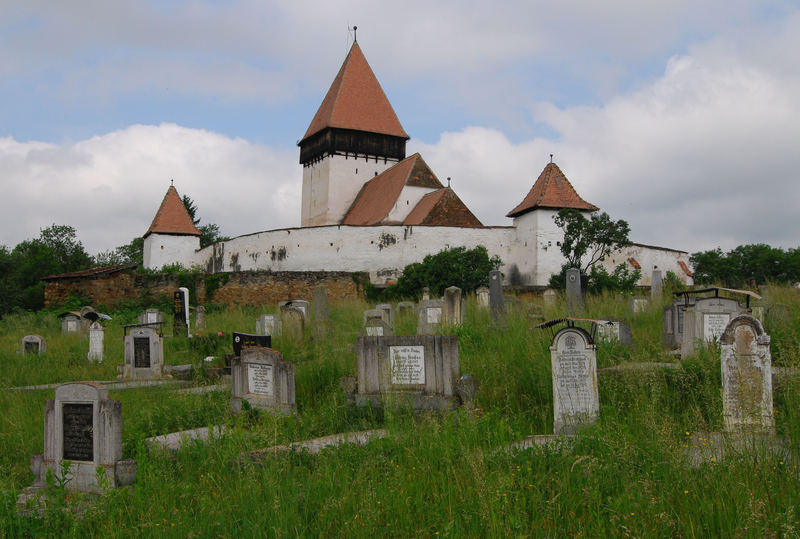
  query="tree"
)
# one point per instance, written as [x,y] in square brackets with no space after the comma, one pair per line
[457,266]
[746,263]
[131,253]
[209,233]
[589,240]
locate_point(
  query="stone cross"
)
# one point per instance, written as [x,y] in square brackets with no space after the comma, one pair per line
[576,401]
[746,364]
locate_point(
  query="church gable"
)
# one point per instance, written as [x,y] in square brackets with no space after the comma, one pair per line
[552,190]
[172,217]
[443,208]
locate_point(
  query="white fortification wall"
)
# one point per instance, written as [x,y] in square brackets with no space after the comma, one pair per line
[164,249]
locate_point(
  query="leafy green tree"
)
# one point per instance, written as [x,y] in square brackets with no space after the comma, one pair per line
[131,253]
[457,266]
[746,263]
[588,240]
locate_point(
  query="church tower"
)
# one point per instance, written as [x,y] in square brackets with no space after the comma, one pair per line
[354,136]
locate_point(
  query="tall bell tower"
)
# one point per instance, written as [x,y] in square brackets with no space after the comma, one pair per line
[354,136]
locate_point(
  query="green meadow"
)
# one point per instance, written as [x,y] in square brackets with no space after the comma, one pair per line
[435,474]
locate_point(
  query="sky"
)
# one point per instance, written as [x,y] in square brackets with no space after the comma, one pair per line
[680,117]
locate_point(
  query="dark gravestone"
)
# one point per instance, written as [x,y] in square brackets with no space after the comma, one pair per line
[243,341]
[141,352]
[496,293]
[179,326]
[78,432]
[574,293]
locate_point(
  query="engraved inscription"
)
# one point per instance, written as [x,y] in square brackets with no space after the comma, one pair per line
[434,315]
[407,364]
[374,331]
[260,379]
[141,352]
[78,432]
[714,325]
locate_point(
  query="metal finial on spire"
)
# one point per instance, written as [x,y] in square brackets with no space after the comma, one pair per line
[448,181]
[551,158]
[355,34]
[172,182]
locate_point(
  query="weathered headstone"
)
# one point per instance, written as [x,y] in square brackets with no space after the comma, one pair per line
[389,312]
[200,318]
[268,324]
[482,297]
[419,370]
[375,324]
[33,345]
[706,320]
[426,293]
[293,321]
[746,376]
[263,379]
[322,309]
[672,335]
[574,293]
[302,305]
[429,317]
[576,401]
[453,308]
[144,354]
[180,311]
[406,308]
[496,293]
[550,296]
[612,330]
[656,285]
[639,305]
[96,337]
[83,427]
[245,341]
[151,316]
[70,323]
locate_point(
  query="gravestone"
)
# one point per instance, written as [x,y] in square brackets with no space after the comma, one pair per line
[482,297]
[672,335]
[151,316]
[429,316]
[426,293]
[389,312]
[96,337]
[245,341]
[200,318]
[613,330]
[70,323]
[180,312]
[574,293]
[638,305]
[575,394]
[496,293]
[300,304]
[33,345]
[261,377]
[375,324]
[87,316]
[746,376]
[268,324]
[83,426]
[406,308]
[144,354]
[656,285]
[550,296]
[421,371]
[453,307]
[706,320]
[293,320]
[322,310]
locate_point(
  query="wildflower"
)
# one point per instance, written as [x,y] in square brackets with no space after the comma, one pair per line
[686,492]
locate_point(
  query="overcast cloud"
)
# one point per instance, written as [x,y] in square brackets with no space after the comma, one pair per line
[681,118]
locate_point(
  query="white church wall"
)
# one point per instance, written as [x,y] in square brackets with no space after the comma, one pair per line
[160,250]
[408,199]
[650,258]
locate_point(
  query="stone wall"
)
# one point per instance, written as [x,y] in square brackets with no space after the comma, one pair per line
[235,288]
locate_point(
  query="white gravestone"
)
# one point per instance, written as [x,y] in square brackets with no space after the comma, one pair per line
[407,364]
[576,401]
[260,380]
[96,337]
[261,377]
[714,325]
[433,314]
[746,364]
[374,331]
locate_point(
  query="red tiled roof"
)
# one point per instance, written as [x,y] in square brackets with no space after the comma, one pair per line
[551,190]
[89,272]
[635,263]
[356,101]
[685,268]
[442,207]
[172,217]
[377,197]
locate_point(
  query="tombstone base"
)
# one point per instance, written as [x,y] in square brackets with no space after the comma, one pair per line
[266,404]
[83,476]
[416,401]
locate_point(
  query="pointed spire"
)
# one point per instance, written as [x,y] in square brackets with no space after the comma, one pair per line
[356,101]
[172,217]
[552,190]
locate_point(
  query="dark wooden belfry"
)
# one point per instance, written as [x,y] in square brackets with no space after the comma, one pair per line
[351,143]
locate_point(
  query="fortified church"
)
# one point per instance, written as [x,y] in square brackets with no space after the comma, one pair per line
[366,206]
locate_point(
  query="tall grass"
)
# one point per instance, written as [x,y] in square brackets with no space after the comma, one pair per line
[445,474]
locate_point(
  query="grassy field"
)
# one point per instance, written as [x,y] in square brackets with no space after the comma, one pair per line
[434,474]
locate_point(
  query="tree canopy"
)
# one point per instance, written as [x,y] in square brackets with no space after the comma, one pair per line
[745,264]
[588,240]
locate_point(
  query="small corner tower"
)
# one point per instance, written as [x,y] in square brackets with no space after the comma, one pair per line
[354,136]
[172,237]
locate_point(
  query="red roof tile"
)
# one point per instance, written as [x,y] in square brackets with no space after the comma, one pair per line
[377,197]
[442,207]
[172,217]
[635,263]
[356,101]
[685,268]
[551,190]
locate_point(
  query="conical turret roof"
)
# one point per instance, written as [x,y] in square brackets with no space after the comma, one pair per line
[172,217]
[552,190]
[356,101]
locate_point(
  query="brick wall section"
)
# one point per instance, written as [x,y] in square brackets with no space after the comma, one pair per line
[239,288]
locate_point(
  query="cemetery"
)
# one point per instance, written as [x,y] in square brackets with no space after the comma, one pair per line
[465,413]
